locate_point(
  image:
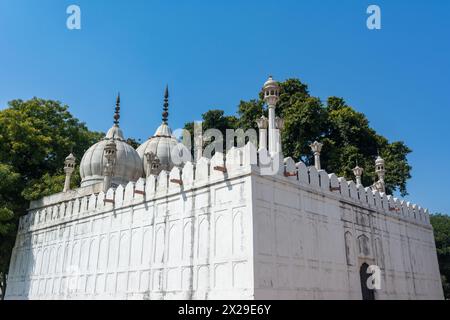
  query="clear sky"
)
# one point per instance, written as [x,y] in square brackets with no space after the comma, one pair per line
[215,53]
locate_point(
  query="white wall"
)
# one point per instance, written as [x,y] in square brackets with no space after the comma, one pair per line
[233,235]
[193,243]
[303,230]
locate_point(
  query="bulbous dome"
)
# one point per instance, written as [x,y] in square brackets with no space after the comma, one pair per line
[162,151]
[379,161]
[162,145]
[127,167]
[127,164]
[270,83]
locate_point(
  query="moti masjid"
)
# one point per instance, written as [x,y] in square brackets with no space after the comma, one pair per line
[248,223]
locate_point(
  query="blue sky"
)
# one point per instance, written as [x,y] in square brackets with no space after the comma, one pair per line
[215,53]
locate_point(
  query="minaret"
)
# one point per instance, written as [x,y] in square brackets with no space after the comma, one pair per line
[262,123]
[69,167]
[271,91]
[357,171]
[110,151]
[316,148]
[380,171]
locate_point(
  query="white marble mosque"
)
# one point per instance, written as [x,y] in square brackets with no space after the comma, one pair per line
[141,227]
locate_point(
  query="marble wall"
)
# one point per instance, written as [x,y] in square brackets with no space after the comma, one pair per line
[223,230]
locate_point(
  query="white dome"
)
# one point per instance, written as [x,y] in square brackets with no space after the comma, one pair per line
[161,145]
[270,83]
[379,161]
[127,167]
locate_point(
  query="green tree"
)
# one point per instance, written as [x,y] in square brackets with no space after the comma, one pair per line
[9,187]
[249,112]
[49,184]
[35,138]
[441,226]
[133,142]
[346,134]
[349,139]
[213,119]
[305,121]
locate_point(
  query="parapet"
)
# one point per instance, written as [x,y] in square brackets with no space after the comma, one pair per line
[236,163]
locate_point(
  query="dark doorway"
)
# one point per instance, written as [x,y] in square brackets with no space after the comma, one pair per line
[367,294]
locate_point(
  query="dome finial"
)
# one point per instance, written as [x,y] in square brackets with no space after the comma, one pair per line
[117,112]
[165,113]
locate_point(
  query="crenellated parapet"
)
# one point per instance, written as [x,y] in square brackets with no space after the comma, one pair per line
[237,162]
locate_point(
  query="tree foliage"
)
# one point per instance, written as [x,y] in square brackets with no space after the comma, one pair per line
[35,138]
[213,119]
[346,134]
[9,188]
[441,226]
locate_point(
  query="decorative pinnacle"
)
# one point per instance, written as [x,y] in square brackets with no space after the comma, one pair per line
[69,162]
[165,113]
[271,90]
[379,162]
[316,147]
[117,112]
[279,123]
[358,171]
[263,122]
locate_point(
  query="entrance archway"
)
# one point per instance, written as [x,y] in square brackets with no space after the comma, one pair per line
[367,294]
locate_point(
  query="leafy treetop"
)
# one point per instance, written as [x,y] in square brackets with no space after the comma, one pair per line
[346,134]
